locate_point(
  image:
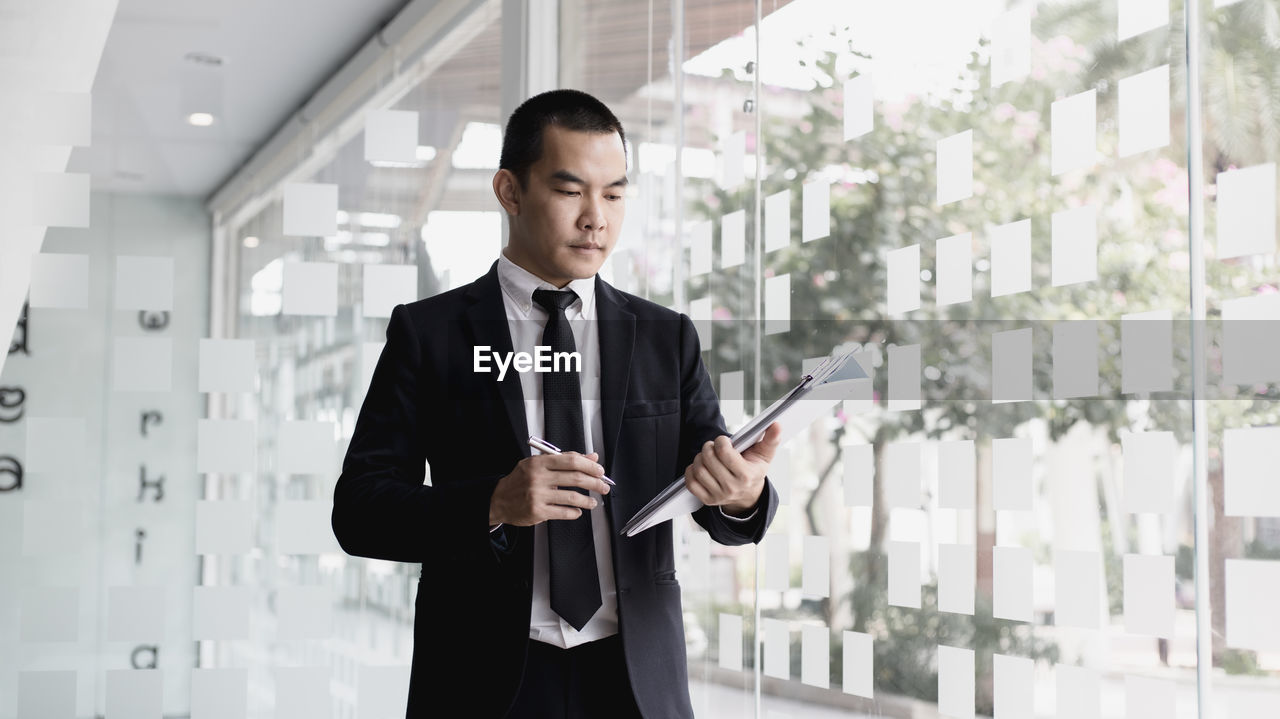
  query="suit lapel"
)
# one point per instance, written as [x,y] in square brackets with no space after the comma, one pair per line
[617,332]
[487,320]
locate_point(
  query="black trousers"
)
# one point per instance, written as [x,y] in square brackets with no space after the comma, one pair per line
[583,682]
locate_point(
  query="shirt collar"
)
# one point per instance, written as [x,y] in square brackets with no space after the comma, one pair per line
[520,283]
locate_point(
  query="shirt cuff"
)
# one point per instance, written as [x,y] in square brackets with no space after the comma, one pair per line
[747,518]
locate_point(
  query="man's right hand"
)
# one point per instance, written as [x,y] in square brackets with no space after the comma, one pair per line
[539,488]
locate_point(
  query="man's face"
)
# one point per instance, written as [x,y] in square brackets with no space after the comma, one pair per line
[565,221]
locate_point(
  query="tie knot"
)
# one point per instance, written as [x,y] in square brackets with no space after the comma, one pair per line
[553,300]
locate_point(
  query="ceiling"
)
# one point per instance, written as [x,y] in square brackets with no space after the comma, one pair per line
[277,52]
[274,53]
[619,50]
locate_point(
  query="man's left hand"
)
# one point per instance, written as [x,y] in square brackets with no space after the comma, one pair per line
[721,476]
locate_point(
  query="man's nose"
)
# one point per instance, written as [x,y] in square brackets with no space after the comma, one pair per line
[592,216]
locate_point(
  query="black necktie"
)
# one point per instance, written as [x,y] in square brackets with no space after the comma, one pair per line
[575,583]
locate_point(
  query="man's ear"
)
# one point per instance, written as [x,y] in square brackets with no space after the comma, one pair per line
[507,189]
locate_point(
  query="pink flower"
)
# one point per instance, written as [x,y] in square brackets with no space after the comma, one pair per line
[1164,169]
[781,373]
[893,113]
[1059,45]
[1174,193]
[1024,133]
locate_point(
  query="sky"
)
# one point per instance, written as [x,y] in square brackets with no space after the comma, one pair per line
[909,56]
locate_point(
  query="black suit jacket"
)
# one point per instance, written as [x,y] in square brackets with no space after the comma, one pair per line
[426,405]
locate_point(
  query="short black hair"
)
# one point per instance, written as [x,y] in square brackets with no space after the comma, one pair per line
[568,109]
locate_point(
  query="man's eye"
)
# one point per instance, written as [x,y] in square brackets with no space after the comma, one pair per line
[614,197]
[570,193]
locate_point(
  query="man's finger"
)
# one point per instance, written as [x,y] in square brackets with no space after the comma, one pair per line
[555,511]
[695,488]
[570,498]
[716,469]
[703,476]
[766,446]
[575,461]
[578,479]
[728,458]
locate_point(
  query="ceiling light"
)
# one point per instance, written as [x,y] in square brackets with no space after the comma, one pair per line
[201,97]
[422,155]
[379,219]
[251,242]
[392,164]
[382,220]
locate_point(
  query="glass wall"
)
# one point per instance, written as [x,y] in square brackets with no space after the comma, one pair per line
[1018,512]
[993,207]
[414,216]
[990,224]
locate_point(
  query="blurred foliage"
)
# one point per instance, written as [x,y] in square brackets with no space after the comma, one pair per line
[1238,661]
[1184,563]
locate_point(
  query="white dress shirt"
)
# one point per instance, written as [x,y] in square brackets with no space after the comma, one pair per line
[526,320]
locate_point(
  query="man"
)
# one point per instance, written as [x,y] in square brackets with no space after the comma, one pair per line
[530,603]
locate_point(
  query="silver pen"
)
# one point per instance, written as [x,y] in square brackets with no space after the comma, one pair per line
[546,447]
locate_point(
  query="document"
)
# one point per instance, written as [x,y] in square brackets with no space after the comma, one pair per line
[830,382]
